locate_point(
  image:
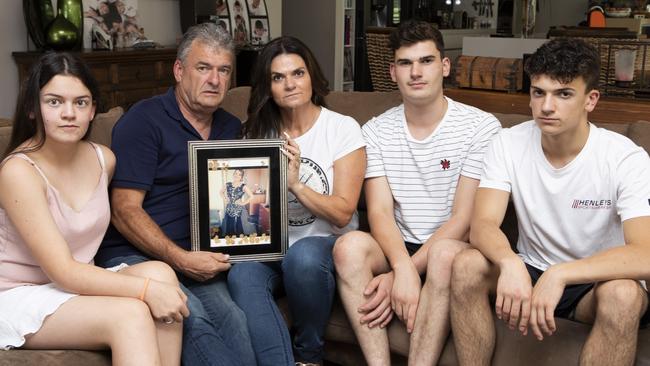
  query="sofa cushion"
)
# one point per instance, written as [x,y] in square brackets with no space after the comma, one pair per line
[353,104]
[103,125]
[236,102]
[54,357]
[510,119]
[621,128]
[5,136]
[639,132]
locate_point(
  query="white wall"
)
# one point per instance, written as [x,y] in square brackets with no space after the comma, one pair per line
[164,28]
[13,37]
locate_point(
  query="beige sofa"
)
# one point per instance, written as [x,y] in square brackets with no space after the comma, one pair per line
[341,348]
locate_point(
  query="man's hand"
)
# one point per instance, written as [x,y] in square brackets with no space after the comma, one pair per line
[405,295]
[513,294]
[202,266]
[377,310]
[546,295]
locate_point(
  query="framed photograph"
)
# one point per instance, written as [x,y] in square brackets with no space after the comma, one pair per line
[256,8]
[223,23]
[221,8]
[118,18]
[238,198]
[239,22]
[259,31]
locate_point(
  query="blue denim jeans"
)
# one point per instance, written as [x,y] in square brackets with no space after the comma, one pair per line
[307,272]
[215,333]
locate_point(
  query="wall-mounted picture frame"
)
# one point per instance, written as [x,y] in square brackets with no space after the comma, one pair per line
[239,22]
[259,31]
[221,8]
[238,198]
[119,19]
[246,20]
[257,8]
[222,22]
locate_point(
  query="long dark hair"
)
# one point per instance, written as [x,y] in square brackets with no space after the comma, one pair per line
[264,118]
[28,121]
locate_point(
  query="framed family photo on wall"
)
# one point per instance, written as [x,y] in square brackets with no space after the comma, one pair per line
[260,34]
[238,197]
[239,21]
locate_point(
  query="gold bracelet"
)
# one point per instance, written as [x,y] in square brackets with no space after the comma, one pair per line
[144,289]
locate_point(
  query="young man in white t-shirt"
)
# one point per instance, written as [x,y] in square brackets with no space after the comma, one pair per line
[424,160]
[582,197]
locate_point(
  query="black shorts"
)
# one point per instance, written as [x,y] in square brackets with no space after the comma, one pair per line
[572,295]
[412,247]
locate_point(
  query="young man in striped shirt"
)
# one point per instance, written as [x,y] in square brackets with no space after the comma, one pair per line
[424,163]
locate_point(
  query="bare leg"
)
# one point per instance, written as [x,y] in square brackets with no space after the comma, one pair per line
[98,322]
[616,306]
[432,319]
[357,258]
[170,336]
[473,278]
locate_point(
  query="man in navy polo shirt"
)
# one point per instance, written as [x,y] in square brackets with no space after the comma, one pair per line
[150,194]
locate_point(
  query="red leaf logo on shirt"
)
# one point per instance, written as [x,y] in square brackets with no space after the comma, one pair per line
[445,164]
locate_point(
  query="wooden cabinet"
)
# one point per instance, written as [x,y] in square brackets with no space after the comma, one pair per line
[124,76]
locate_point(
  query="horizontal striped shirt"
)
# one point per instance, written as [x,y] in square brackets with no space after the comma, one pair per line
[423,174]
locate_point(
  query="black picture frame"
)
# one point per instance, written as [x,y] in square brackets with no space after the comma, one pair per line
[248,221]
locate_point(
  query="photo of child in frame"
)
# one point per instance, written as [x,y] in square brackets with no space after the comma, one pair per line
[223,23]
[238,202]
[259,31]
[256,8]
[239,22]
[221,8]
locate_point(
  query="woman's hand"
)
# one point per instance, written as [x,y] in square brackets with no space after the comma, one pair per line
[292,151]
[166,302]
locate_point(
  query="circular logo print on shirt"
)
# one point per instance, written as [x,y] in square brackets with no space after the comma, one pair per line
[312,176]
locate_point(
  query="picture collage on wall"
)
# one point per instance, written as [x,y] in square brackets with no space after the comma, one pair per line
[246,20]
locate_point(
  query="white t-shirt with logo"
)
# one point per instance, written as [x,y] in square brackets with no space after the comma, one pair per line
[332,136]
[575,211]
[423,174]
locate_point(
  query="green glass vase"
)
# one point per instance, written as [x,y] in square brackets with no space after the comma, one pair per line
[72,10]
[61,34]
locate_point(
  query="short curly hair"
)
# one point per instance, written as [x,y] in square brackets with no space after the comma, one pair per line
[564,60]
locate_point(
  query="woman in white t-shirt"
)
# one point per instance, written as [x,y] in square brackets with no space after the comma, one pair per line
[326,168]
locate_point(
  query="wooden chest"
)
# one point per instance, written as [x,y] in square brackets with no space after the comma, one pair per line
[493,73]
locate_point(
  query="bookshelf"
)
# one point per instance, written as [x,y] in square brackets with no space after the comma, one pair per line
[328,29]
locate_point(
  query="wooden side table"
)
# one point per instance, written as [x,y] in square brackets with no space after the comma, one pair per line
[124,76]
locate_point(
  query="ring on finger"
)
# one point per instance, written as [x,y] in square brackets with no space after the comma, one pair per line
[168,320]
